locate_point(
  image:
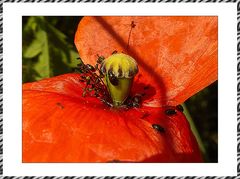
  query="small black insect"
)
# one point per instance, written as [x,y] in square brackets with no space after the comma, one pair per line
[179,107]
[136,100]
[158,128]
[170,112]
[60,105]
[112,78]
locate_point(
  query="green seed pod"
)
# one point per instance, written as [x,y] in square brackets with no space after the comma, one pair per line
[119,70]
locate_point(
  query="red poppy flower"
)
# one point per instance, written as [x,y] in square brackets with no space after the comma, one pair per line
[176,56]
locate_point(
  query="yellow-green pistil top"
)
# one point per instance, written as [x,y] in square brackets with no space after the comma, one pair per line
[119,70]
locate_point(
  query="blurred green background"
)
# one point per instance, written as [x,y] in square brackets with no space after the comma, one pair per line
[48,50]
[48,47]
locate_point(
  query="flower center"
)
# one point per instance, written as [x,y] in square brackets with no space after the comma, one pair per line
[119,70]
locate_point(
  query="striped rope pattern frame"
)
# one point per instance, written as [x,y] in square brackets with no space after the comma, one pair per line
[122,177]
[238,87]
[1,88]
[124,1]
[118,1]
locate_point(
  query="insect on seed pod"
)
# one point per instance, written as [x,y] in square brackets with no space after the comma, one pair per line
[119,70]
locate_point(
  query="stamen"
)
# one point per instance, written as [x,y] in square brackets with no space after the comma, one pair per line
[132,26]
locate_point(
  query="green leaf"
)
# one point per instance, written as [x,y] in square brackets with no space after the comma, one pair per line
[36,46]
[47,51]
[43,64]
[58,34]
[73,59]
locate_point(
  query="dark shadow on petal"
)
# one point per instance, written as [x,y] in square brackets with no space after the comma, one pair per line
[146,91]
[178,158]
[157,78]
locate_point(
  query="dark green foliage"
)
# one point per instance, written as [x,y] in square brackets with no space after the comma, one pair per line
[203,108]
[48,46]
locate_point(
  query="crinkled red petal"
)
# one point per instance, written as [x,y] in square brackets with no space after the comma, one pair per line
[177,56]
[59,125]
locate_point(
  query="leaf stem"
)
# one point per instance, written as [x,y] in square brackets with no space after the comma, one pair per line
[195,132]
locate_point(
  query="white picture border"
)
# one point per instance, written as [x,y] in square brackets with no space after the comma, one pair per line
[12,70]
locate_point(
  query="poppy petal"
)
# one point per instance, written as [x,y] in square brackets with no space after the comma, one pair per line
[177,56]
[59,125]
